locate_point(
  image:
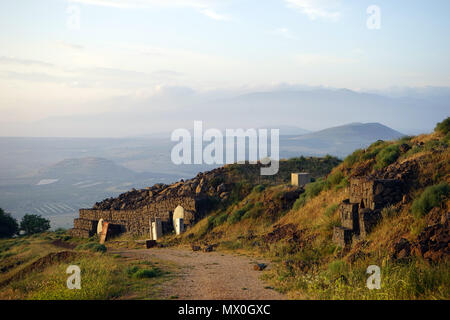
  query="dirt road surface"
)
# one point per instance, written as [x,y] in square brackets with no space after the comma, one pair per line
[209,275]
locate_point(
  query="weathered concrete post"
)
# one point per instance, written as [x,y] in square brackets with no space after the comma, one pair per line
[179,226]
[157,229]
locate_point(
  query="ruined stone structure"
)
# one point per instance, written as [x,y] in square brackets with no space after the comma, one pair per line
[133,212]
[300,179]
[360,213]
[138,221]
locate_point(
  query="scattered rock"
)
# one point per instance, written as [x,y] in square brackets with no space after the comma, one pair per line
[195,248]
[259,266]
[402,249]
[208,248]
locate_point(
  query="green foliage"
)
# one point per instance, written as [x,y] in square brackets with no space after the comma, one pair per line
[432,197]
[92,246]
[147,273]
[32,224]
[351,159]
[237,215]
[329,212]
[335,178]
[259,188]
[220,219]
[300,202]
[254,212]
[387,156]
[337,268]
[443,127]
[8,225]
[311,191]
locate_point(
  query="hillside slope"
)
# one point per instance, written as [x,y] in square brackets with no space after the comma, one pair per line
[409,240]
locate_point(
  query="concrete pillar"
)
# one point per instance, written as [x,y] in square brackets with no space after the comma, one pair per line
[157,229]
[179,225]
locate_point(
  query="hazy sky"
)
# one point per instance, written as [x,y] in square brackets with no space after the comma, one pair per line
[60,57]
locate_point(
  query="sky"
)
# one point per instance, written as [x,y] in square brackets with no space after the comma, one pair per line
[64,58]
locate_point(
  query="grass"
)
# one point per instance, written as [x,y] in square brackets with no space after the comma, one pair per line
[432,197]
[103,275]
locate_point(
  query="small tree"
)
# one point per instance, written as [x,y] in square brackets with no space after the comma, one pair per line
[8,225]
[32,223]
[444,126]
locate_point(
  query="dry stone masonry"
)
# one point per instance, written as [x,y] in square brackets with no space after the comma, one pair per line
[360,214]
[135,211]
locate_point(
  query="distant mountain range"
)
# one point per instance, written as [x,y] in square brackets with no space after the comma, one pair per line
[102,168]
[308,108]
[338,141]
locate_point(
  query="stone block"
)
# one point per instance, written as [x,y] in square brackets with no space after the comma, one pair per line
[368,219]
[342,236]
[300,179]
[349,216]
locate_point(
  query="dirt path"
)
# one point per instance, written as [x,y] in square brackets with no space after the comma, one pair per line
[212,275]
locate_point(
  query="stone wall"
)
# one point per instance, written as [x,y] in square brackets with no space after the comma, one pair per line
[138,221]
[361,213]
[375,193]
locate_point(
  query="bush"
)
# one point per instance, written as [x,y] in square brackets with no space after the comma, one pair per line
[220,219]
[311,190]
[387,156]
[432,197]
[147,273]
[443,127]
[334,179]
[92,246]
[352,158]
[259,188]
[8,225]
[32,224]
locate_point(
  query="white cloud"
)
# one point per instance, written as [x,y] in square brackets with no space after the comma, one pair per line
[214,15]
[285,33]
[317,9]
[311,59]
[205,7]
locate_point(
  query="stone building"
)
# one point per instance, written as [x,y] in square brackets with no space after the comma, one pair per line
[361,213]
[300,179]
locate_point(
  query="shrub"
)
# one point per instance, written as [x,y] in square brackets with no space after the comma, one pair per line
[353,158]
[334,179]
[432,197]
[8,225]
[259,188]
[387,156]
[147,273]
[92,246]
[220,219]
[311,190]
[443,127]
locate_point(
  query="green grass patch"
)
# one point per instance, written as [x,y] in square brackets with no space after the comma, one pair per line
[432,197]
